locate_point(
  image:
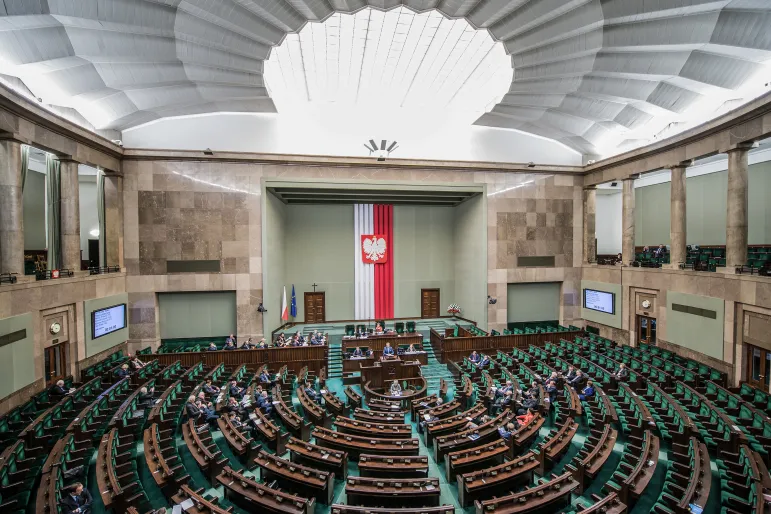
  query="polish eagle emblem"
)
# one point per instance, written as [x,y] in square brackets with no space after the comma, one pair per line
[373,249]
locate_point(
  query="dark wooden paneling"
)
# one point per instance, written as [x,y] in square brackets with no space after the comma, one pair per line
[453,349]
[315,357]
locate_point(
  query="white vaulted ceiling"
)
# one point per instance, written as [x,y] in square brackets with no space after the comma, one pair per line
[597,75]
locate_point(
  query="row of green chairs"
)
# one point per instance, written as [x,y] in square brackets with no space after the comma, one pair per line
[760,399]
[102,367]
[129,419]
[19,466]
[91,422]
[741,484]
[689,464]
[673,423]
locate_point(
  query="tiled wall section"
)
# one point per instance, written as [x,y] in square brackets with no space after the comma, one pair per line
[187,210]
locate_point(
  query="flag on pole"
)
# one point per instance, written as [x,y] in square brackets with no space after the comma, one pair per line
[293,308]
[284,310]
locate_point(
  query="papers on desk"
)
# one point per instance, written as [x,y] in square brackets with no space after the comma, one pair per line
[430,487]
[325,456]
[276,402]
[176,509]
[474,437]
[252,416]
[323,391]
[427,416]
[187,504]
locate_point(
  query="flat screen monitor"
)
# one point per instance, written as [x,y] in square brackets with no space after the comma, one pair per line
[600,301]
[108,320]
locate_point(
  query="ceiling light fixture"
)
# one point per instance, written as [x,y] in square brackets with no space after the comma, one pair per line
[380,152]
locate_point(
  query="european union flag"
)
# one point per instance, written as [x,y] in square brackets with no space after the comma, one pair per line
[293,307]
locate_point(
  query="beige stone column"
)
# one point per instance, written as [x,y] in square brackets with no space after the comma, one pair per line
[69,222]
[113,220]
[627,221]
[736,210]
[11,210]
[677,217]
[590,229]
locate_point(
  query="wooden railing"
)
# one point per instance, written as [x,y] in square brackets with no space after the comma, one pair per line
[453,349]
[315,357]
[291,324]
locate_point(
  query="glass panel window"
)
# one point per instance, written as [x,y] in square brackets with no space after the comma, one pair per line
[756,363]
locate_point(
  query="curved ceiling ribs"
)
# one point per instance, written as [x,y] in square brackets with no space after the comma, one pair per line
[586,72]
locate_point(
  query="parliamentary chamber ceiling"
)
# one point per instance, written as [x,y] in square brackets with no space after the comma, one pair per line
[598,76]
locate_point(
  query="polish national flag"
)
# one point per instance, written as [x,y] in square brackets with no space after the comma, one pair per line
[284,309]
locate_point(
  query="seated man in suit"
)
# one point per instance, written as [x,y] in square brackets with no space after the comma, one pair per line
[212,347]
[264,403]
[235,391]
[396,389]
[311,392]
[556,378]
[76,500]
[230,344]
[146,396]
[317,339]
[571,374]
[501,391]
[207,409]
[231,339]
[210,388]
[474,357]
[191,408]
[388,351]
[484,361]
[507,430]
[58,389]
[622,373]
[551,390]
[578,381]
[233,406]
[504,402]
[136,363]
[300,338]
[248,345]
[588,391]
[265,378]
[123,372]
[357,353]
[661,251]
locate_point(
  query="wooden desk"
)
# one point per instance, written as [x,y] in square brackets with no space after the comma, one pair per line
[376,342]
[318,457]
[240,444]
[390,466]
[452,424]
[312,410]
[399,492]
[610,504]
[162,460]
[296,425]
[203,449]
[489,482]
[366,429]
[595,452]
[256,497]
[459,441]
[354,364]
[417,389]
[352,509]
[475,458]
[297,478]
[200,504]
[546,497]
[270,432]
[556,444]
[354,398]
[374,416]
[355,445]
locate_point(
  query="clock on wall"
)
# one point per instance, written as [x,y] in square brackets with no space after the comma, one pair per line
[646,304]
[55,327]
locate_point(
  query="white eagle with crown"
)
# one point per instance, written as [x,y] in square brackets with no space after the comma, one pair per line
[374,248]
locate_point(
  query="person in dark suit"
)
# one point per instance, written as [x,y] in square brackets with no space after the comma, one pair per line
[484,361]
[231,339]
[502,403]
[264,403]
[210,388]
[76,500]
[571,374]
[58,389]
[229,344]
[235,391]
[146,396]
[578,381]
[123,372]
[587,392]
[357,352]
[622,373]
[551,390]
[505,389]
[474,357]
[388,350]
[506,431]
[311,392]
[248,345]
[265,378]
[191,408]
[233,406]
[207,410]
[661,251]
[212,347]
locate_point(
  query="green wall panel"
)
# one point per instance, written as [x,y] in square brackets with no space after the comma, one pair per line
[533,301]
[197,314]
[94,346]
[274,257]
[18,357]
[698,333]
[471,259]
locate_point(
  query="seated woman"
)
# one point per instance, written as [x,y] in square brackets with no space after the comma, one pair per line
[357,353]
[396,389]
[136,363]
[587,392]
[474,357]
[526,418]
[378,328]
[412,349]
[123,371]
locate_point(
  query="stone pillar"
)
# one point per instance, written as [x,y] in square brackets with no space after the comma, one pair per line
[627,222]
[113,220]
[69,214]
[677,218]
[590,217]
[736,211]
[11,209]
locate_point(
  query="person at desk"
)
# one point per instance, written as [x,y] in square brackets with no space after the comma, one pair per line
[136,363]
[396,389]
[123,372]
[265,378]
[661,251]
[76,500]
[578,381]
[388,351]
[509,387]
[378,328]
[622,373]
[317,339]
[262,344]
[571,374]
[357,353]
[412,349]
[58,389]
[551,390]
[474,357]
[233,406]
[588,391]
[311,392]
[248,344]
[507,430]
[229,345]
[191,408]
[526,418]
[264,403]
[299,337]
[210,388]
[484,361]
[207,410]
[502,403]
[146,396]
[235,391]
[212,347]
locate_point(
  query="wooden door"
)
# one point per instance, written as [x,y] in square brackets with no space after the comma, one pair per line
[758,367]
[55,363]
[646,329]
[315,311]
[429,303]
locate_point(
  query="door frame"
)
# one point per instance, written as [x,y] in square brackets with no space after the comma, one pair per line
[763,361]
[305,306]
[63,351]
[422,290]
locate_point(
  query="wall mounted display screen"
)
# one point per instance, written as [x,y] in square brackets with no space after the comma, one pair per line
[601,301]
[108,320]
